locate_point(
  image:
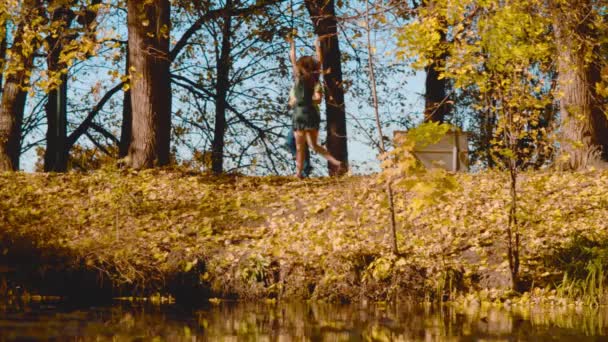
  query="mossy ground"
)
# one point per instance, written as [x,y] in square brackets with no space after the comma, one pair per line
[194,236]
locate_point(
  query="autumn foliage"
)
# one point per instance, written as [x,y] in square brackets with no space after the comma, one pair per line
[145,232]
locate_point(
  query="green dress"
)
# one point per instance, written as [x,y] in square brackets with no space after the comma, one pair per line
[305,113]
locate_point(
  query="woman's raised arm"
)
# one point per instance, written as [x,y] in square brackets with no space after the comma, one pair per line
[292,55]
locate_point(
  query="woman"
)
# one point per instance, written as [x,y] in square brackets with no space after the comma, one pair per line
[304,99]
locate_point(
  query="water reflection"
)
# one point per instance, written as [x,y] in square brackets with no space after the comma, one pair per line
[297,321]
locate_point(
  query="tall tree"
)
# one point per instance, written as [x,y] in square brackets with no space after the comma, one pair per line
[436,106]
[182,51]
[3,43]
[435,95]
[56,155]
[584,126]
[222,85]
[17,78]
[63,45]
[323,15]
[513,78]
[231,115]
[149,28]
[127,116]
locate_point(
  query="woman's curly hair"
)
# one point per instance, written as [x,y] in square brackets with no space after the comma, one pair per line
[308,69]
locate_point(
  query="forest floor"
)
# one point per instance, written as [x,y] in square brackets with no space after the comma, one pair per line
[195,236]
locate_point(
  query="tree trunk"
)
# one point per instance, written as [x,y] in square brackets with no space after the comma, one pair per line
[11,117]
[3,37]
[435,106]
[487,126]
[149,28]
[435,96]
[323,17]
[14,93]
[584,127]
[127,116]
[56,153]
[382,149]
[221,92]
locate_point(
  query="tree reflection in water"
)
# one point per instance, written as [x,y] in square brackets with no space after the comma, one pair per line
[296,321]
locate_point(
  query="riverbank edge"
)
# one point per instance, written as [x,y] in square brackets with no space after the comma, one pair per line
[40,253]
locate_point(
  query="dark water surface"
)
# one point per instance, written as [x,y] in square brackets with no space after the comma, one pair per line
[296,322]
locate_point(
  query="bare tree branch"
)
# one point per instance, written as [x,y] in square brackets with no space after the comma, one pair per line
[214,14]
[192,85]
[98,145]
[105,133]
[84,126]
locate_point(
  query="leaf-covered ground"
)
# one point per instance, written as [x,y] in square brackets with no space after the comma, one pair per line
[191,234]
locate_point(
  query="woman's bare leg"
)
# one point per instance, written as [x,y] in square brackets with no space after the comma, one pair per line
[311,137]
[300,151]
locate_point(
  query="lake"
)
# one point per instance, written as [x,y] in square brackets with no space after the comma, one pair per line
[299,321]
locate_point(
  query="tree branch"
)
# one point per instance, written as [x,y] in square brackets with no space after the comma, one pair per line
[105,133]
[215,14]
[78,132]
[191,84]
[98,145]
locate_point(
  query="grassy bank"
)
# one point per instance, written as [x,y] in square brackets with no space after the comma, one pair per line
[117,233]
